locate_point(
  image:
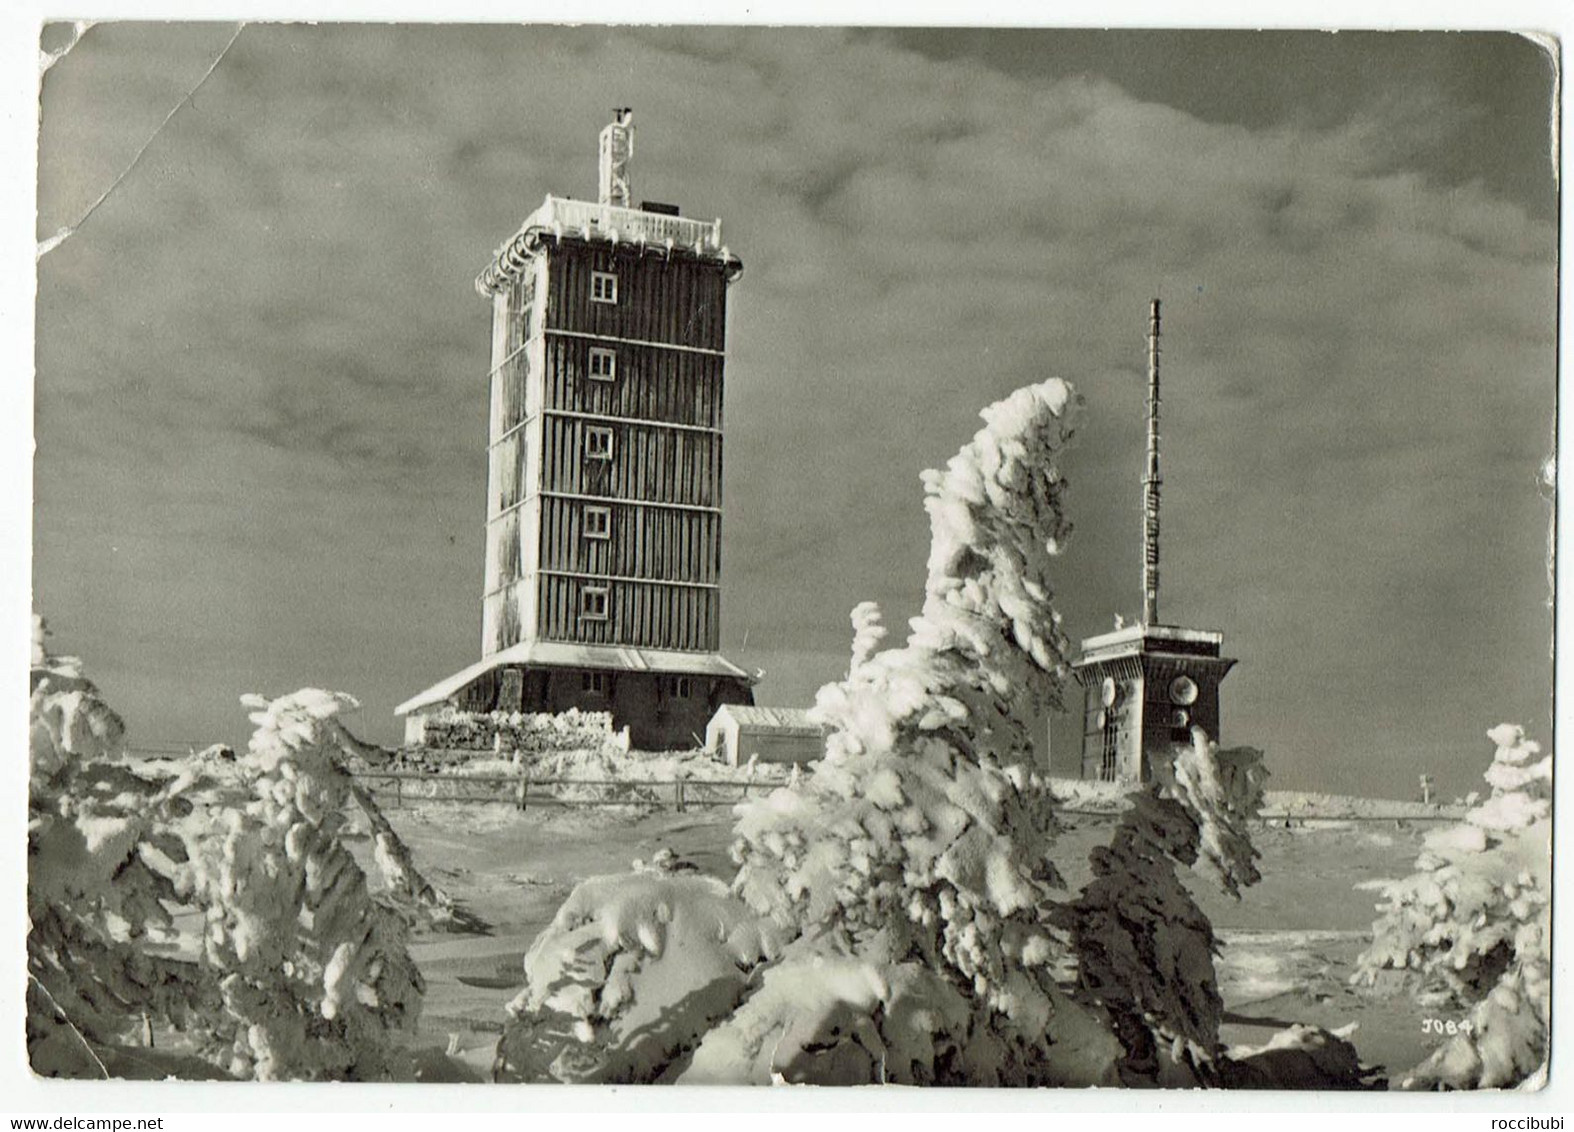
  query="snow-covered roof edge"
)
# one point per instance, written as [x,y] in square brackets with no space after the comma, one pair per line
[555,654]
[1140,631]
[781,719]
[590,220]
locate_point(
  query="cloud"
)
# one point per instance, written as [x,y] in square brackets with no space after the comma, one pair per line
[1359,357]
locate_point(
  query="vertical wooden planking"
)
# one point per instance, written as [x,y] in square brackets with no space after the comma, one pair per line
[500,313]
[676,301]
[642,615]
[494,411]
[503,472]
[550,551]
[651,384]
[521,462]
[551,460]
[707,447]
[573,457]
[698,562]
[561,555]
[689,457]
[506,534]
[489,612]
[663,464]
[508,626]
[598,551]
[648,559]
[568,457]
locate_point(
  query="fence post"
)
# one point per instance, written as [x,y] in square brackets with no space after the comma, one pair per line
[524,792]
[678,791]
[398,793]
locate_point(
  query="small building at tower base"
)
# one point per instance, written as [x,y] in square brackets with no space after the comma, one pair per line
[738,734]
[666,699]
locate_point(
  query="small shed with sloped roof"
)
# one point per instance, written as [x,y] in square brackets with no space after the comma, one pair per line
[738,733]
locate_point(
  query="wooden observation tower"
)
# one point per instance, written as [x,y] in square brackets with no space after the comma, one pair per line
[1146,686]
[602,586]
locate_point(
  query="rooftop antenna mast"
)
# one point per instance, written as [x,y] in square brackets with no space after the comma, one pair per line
[617,146]
[1151,482]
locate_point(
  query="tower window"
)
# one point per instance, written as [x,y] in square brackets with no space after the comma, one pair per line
[595,683]
[598,522]
[598,442]
[680,687]
[1108,723]
[603,287]
[593,603]
[1109,752]
[603,363]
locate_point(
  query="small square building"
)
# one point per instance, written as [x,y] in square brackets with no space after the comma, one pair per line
[736,734]
[1144,688]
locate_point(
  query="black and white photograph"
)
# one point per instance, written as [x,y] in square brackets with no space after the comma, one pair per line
[670,555]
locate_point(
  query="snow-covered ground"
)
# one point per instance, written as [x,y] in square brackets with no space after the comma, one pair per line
[1289,945]
[915,912]
[1108,797]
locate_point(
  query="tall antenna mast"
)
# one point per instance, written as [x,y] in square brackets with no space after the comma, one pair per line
[1151,482]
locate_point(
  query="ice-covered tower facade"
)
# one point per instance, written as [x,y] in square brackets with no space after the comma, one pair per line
[1145,686]
[602,583]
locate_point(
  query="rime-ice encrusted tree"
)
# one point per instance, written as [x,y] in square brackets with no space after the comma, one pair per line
[917,841]
[302,972]
[828,1019]
[417,896]
[868,632]
[92,899]
[1473,925]
[908,876]
[316,980]
[630,974]
[1144,949]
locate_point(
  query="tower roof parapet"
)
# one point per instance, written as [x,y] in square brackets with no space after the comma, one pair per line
[562,217]
[1153,638]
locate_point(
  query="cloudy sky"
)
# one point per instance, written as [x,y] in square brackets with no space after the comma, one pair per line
[260,400]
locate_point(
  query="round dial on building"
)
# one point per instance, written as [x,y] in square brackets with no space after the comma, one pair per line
[1183,691]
